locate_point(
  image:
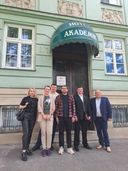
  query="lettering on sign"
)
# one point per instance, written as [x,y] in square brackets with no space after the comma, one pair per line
[60,80]
[79,32]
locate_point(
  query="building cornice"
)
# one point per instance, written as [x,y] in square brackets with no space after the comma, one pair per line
[60,18]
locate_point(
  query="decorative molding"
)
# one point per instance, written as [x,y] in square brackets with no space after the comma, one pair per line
[112,16]
[69,8]
[29,4]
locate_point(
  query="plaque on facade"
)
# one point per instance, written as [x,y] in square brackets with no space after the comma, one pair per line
[29,4]
[60,80]
[70,8]
[112,16]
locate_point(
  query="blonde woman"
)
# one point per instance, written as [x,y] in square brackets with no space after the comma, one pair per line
[46,107]
[29,104]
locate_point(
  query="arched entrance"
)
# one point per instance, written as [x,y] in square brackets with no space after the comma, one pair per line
[70,65]
[70,45]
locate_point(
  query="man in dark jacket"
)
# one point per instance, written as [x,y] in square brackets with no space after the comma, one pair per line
[101,114]
[83,116]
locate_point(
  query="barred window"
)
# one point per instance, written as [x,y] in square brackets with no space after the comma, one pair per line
[8,121]
[120,115]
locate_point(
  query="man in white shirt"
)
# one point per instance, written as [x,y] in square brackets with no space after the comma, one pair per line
[101,114]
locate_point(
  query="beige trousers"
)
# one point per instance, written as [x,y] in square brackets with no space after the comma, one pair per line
[46,127]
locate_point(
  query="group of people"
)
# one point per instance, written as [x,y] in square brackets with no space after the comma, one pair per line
[65,112]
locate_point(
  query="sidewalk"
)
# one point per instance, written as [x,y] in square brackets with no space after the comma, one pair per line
[84,160]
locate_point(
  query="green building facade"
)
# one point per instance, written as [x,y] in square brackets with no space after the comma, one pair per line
[73,42]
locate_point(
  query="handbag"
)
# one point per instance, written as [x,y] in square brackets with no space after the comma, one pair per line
[20,115]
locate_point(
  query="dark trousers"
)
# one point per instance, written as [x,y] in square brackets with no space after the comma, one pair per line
[27,127]
[101,127]
[54,129]
[82,125]
[38,142]
[65,124]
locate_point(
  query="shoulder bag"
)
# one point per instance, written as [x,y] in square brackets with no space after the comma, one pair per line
[20,115]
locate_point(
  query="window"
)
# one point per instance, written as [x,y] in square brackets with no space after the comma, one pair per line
[120,115]
[114,2]
[8,121]
[18,47]
[114,57]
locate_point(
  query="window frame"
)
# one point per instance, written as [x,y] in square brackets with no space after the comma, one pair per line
[20,42]
[114,51]
[118,2]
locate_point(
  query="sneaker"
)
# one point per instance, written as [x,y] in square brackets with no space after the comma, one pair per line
[99,147]
[61,150]
[108,149]
[43,152]
[24,156]
[70,151]
[48,152]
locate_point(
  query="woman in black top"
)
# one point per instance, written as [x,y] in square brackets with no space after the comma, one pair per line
[29,104]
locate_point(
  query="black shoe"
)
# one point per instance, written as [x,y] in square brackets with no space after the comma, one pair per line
[76,148]
[52,148]
[87,147]
[35,147]
[29,152]
[24,156]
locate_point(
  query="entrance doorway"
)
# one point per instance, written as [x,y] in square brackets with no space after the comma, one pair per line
[70,67]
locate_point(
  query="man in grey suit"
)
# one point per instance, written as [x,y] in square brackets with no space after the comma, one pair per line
[101,114]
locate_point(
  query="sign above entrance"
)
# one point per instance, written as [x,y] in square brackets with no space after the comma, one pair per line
[75,32]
